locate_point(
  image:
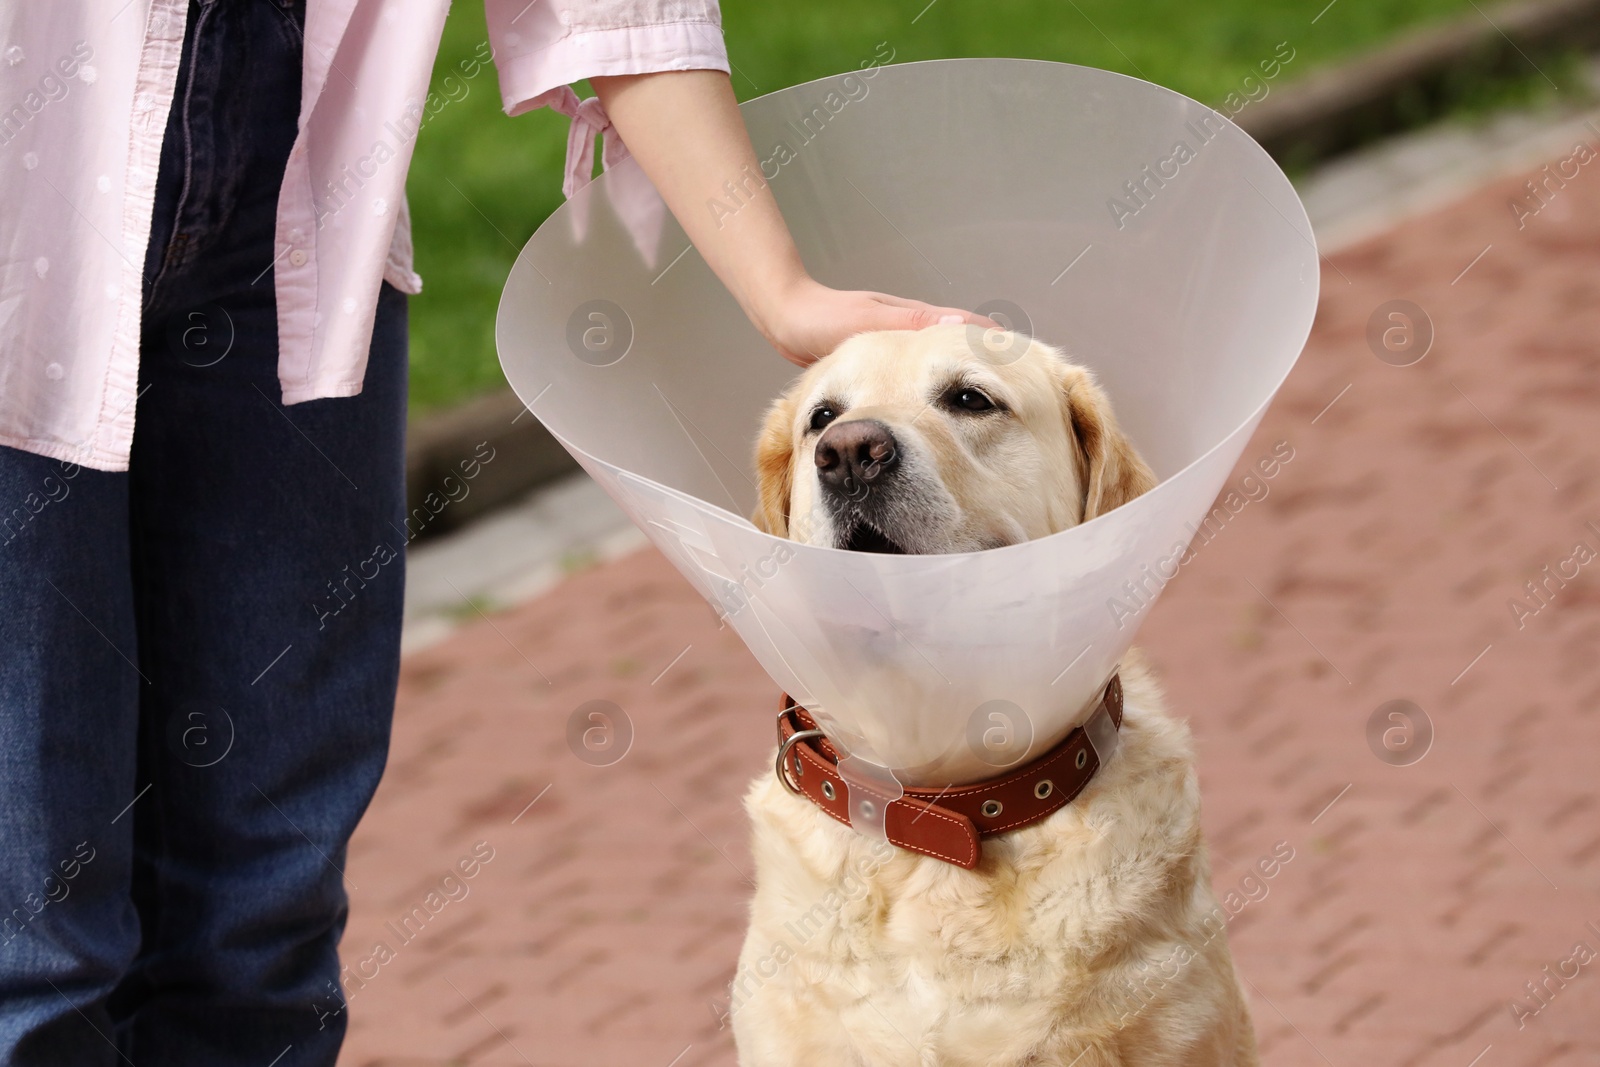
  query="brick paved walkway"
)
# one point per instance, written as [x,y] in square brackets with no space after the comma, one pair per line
[1421,898]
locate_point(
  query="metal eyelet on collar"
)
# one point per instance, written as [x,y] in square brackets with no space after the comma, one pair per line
[827,789]
[1044,789]
[1083,758]
[992,808]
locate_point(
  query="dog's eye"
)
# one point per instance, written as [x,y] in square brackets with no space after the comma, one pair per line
[971,400]
[821,416]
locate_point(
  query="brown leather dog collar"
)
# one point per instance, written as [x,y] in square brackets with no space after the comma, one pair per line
[948,823]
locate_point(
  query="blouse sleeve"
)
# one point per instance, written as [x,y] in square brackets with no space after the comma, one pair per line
[541,46]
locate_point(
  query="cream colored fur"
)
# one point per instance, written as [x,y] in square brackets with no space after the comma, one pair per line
[1089,939]
[863,955]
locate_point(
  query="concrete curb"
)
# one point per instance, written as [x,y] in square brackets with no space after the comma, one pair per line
[1333,110]
[1327,112]
[524,456]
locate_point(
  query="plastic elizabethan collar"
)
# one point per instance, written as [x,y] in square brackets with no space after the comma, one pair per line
[1136,229]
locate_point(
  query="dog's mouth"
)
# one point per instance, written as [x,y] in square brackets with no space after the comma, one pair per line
[867,538]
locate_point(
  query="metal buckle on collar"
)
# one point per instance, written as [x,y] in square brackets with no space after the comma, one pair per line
[784,749]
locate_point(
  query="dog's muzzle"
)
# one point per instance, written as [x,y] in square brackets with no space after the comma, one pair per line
[856,457]
[949,823]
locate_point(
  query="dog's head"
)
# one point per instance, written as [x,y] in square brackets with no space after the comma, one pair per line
[932,441]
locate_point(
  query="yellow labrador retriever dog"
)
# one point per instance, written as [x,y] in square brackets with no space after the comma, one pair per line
[1090,938]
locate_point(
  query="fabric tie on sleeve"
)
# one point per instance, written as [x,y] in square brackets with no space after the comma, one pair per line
[634,199]
[589,120]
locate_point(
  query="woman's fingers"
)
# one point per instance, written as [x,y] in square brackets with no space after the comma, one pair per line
[943,316]
[815,319]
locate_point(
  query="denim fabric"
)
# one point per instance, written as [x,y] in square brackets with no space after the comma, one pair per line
[198,657]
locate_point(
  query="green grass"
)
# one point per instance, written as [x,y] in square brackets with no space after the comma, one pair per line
[481,183]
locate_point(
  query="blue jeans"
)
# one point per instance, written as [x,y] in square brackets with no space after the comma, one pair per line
[198,657]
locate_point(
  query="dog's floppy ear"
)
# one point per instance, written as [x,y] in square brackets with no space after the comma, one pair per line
[1111,470]
[774,469]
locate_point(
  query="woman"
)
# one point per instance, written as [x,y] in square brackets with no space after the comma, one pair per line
[202,403]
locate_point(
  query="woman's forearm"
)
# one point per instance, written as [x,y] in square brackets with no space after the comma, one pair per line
[685,130]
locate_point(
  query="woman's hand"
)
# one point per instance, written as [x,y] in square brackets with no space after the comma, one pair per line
[807,320]
[685,130]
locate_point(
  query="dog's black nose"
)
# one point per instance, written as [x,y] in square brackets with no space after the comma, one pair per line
[854,456]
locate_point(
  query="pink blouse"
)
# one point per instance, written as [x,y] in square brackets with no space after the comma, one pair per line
[84,93]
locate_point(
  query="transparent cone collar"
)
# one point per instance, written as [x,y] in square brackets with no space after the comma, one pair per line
[872,788]
[1036,192]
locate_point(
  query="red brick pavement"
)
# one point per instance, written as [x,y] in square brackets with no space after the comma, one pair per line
[1379,566]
